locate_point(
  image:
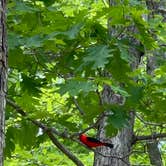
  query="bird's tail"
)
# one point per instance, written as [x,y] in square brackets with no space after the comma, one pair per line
[109,145]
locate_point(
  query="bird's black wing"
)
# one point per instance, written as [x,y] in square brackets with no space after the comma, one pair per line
[91,139]
[94,140]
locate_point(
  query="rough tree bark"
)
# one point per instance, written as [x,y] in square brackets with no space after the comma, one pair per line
[3,77]
[157,7]
[124,139]
[118,156]
[154,153]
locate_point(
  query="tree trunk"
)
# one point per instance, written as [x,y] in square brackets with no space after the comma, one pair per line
[119,155]
[157,7]
[154,153]
[3,77]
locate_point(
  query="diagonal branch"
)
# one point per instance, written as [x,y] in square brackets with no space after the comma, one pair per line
[64,149]
[77,106]
[50,133]
[37,123]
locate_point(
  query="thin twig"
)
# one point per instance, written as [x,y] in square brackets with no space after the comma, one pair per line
[93,125]
[149,123]
[77,106]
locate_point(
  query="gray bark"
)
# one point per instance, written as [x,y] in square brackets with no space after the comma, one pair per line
[157,7]
[154,153]
[119,155]
[3,77]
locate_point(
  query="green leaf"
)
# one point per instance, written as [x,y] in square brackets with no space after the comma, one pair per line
[14,40]
[31,85]
[98,56]
[144,34]
[119,68]
[21,61]
[34,41]
[111,131]
[26,135]
[65,120]
[10,142]
[124,51]
[73,32]
[74,87]
[120,91]
[24,7]
[119,117]
[136,94]
[90,106]
[48,2]
[27,102]
[116,13]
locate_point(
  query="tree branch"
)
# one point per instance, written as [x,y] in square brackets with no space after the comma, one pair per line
[149,123]
[93,125]
[50,132]
[77,106]
[64,149]
[149,137]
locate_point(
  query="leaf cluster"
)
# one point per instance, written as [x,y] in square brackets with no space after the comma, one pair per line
[63,53]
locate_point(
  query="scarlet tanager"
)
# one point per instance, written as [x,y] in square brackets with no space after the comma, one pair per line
[93,142]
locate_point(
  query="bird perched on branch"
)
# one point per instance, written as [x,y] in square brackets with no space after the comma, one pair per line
[93,142]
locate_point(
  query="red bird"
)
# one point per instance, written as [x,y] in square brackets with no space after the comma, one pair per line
[93,142]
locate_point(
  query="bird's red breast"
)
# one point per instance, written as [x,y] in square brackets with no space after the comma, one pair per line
[93,142]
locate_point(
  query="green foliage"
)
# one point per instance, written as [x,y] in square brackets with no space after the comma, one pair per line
[65,50]
[97,56]
[74,87]
[119,68]
[117,119]
[45,155]
[24,134]
[136,94]
[90,105]
[10,144]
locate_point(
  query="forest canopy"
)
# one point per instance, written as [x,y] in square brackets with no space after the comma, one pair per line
[71,63]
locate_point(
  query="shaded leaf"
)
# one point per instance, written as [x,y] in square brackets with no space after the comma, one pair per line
[136,94]
[111,131]
[97,56]
[119,117]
